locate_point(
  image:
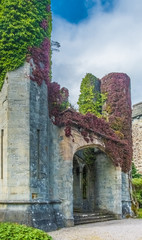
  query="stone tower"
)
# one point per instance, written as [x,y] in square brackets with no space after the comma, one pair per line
[137,135]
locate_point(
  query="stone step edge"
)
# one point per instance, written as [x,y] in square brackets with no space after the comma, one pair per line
[93,217]
[93,221]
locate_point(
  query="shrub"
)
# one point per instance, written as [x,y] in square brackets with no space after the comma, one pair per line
[135,173]
[14,231]
[137,189]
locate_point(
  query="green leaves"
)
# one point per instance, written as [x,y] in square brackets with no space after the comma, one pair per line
[14,231]
[90,98]
[137,184]
[135,173]
[20,27]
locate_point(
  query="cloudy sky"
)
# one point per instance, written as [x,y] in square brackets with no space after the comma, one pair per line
[98,37]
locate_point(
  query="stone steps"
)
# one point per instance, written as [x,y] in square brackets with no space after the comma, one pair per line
[84,218]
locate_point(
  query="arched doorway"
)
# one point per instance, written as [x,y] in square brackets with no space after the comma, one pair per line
[88,185]
[96,182]
[84,179]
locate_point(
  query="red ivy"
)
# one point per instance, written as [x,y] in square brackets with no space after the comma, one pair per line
[117,87]
[40,62]
[88,124]
[44,24]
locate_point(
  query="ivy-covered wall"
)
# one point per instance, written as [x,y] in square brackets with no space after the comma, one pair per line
[117,111]
[114,126]
[25,31]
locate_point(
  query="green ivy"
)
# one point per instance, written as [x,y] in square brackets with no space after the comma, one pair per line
[90,99]
[20,28]
[14,231]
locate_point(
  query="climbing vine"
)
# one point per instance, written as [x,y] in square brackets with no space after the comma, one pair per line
[88,125]
[90,98]
[118,110]
[23,25]
[25,31]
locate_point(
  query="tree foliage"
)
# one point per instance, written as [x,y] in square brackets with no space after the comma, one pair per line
[137,190]
[137,184]
[90,99]
[135,173]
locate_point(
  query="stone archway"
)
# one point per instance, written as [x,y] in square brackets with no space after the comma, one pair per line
[83,181]
[96,184]
[105,191]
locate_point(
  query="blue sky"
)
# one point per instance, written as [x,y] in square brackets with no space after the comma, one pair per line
[75,11]
[72,11]
[99,37]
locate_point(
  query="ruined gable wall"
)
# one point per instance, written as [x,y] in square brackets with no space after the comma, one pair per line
[137,135]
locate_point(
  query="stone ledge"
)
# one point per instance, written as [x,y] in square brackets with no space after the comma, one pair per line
[31,202]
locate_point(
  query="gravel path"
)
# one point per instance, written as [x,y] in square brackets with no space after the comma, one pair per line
[128,229]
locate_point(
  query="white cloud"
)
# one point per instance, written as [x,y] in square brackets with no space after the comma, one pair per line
[104,43]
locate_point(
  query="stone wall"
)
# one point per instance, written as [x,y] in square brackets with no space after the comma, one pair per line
[15,122]
[24,120]
[3,141]
[61,178]
[107,185]
[137,135]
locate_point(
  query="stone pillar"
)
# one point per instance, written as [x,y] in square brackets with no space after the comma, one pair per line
[14,185]
[107,185]
[61,176]
[126,196]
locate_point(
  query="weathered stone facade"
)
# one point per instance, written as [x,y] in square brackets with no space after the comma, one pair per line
[42,171]
[137,135]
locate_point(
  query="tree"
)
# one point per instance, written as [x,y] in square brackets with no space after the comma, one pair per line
[137,185]
[90,98]
[135,173]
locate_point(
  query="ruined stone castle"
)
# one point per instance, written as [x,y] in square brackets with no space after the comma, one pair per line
[42,171]
[45,178]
